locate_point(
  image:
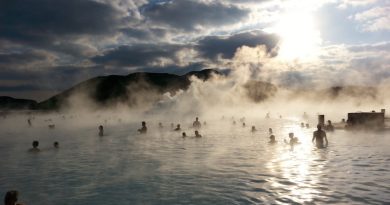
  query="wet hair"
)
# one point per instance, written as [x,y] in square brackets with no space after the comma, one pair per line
[35,143]
[11,197]
[184,134]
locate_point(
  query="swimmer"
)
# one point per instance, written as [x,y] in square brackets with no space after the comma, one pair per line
[272,139]
[56,145]
[197,135]
[329,127]
[11,198]
[35,148]
[184,135]
[293,140]
[270,131]
[253,129]
[307,125]
[319,135]
[196,123]
[302,124]
[101,131]
[177,128]
[160,125]
[143,129]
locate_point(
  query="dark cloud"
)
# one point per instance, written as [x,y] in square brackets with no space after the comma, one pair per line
[212,47]
[53,24]
[188,14]
[22,58]
[137,55]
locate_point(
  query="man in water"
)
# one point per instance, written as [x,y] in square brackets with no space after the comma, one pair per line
[319,136]
[329,127]
[56,145]
[35,148]
[184,135]
[272,139]
[196,123]
[101,131]
[253,129]
[143,129]
[197,135]
[177,128]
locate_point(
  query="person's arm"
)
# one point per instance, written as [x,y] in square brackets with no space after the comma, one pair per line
[326,140]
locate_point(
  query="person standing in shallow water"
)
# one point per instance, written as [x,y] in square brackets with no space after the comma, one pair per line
[143,129]
[35,148]
[196,123]
[101,131]
[319,135]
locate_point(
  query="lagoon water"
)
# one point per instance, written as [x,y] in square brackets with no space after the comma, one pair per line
[229,165]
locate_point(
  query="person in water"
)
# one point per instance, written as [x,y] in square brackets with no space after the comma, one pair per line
[319,135]
[184,135]
[293,140]
[101,130]
[197,135]
[29,122]
[243,124]
[307,125]
[270,131]
[56,145]
[302,124]
[160,125]
[143,129]
[35,148]
[177,128]
[272,139]
[11,198]
[253,129]
[329,127]
[196,123]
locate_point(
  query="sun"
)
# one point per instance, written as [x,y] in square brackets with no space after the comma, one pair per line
[300,38]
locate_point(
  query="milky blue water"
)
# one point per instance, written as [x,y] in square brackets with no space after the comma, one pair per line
[229,165]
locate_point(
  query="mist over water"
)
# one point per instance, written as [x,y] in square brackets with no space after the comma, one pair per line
[228,165]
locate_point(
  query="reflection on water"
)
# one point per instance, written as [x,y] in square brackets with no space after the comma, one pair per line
[229,165]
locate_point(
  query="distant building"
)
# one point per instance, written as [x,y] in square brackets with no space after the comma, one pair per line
[368,120]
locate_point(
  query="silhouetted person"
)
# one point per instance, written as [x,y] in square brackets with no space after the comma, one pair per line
[52,126]
[101,130]
[302,124]
[197,135]
[143,129]
[270,131]
[35,148]
[196,123]
[253,129]
[343,120]
[184,135]
[272,139]
[160,125]
[11,198]
[319,135]
[293,140]
[56,145]
[243,124]
[177,128]
[329,127]
[307,125]
[29,122]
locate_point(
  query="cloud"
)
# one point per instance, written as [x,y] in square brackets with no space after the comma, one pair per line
[213,47]
[374,19]
[191,15]
[354,3]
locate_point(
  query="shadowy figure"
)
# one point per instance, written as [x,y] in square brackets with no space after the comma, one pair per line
[329,127]
[307,125]
[101,131]
[143,129]
[196,123]
[35,148]
[270,131]
[319,135]
[293,140]
[160,125]
[197,135]
[272,139]
[184,135]
[302,124]
[52,126]
[56,145]
[29,122]
[243,124]
[177,128]
[253,129]
[11,198]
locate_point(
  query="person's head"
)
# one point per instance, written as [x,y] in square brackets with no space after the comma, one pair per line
[143,123]
[196,132]
[178,125]
[270,129]
[11,197]
[196,119]
[290,135]
[35,144]
[56,145]
[101,127]
[319,127]
[253,127]
[272,137]
[184,134]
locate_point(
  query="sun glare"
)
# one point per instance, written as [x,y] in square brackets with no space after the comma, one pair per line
[300,39]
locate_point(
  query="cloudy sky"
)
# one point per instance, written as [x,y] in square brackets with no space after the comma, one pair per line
[47,46]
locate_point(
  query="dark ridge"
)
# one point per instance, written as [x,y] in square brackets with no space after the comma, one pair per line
[9,103]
